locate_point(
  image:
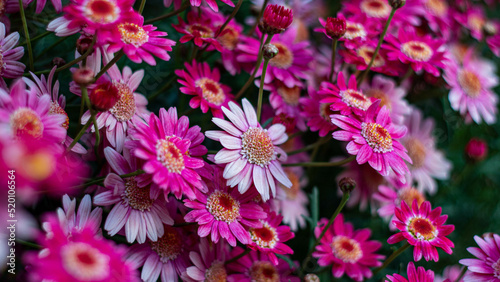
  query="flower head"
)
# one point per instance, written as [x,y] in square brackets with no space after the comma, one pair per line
[476,149]
[199,29]
[486,265]
[208,263]
[276,19]
[414,275]
[335,27]
[10,67]
[317,113]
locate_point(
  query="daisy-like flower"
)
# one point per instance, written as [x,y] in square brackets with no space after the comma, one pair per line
[204,84]
[270,238]
[137,209]
[255,266]
[486,265]
[420,52]
[72,220]
[390,96]
[348,251]
[40,4]
[10,67]
[172,151]
[250,153]
[211,3]
[200,29]
[291,63]
[377,11]
[428,162]
[316,113]
[358,29]
[471,88]
[474,18]
[285,100]
[81,257]
[450,274]
[223,212]
[437,14]
[374,140]
[422,228]
[208,263]
[414,275]
[345,98]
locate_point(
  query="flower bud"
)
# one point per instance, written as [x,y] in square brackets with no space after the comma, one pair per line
[269,51]
[58,62]
[83,76]
[104,96]
[396,4]
[347,184]
[476,150]
[311,277]
[83,44]
[276,19]
[335,27]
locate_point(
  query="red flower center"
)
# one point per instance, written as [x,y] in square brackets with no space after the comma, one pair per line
[211,91]
[476,22]
[137,197]
[257,146]
[26,123]
[470,83]
[229,38]
[416,151]
[422,229]
[133,34]
[223,206]
[346,249]
[125,108]
[284,59]
[354,98]
[56,109]
[169,246]
[377,137]
[264,237]
[85,262]
[376,8]
[170,156]
[198,30]
[102,11]
[264,271]
[417,50]
[354,30]
[367,52]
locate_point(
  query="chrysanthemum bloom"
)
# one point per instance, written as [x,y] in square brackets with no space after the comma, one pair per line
[474,18]
[357,30]
[437,15]
[211,3]
[204,84]
[137,209]
[139,41]
[414,275]
[256,266]
[291,63]
[81,257]
[493,39]
[208,263]
[10,67]
[276,19]
[223,212]
[72,220]
[450,274]
[172,151]
[345,98]
[476,149]
[471,88]
[166,258]
[378,11]
[390,96]
[389,198]
[250,152]
[317,113]
[428,162]
[25,116]
[374,140]
[270,238]
[348,251]
[200,29]
[422,228]
[486,265]
[420,52]
[285,100]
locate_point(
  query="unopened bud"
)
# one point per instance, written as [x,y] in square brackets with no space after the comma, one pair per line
[104,96]
[276,19]
[270,51]
[83,44]
[311,277]
[396,4]
[58,62]
[476,150]
[335,27]
[83,76]
[347,184]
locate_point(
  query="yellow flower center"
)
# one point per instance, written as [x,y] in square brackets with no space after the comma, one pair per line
[366,52]
[264,237]
[416,151]
[355,99]
[290,95]
[137,197]
[409,194]
[257,146]
[101,11]
[422,229]
[26,122]
[169,246]
[417,50]
[125,108]
[376,8]
[264,271]
[470,83]
[284,59]
[56,109]
[354,30]
[437,7]
[85,262]
[170,156]
[211,91]
[377,137]
[346,249]
[133,34]
[216,272]
[223,206]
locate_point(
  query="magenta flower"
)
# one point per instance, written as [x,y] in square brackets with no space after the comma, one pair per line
[358,29]
[374,140]
[414,275]
[72,220]
[200,29]
[172,151]
[250,152]
[208,263]
[421,52]
[40,5]
[422,228]
[486,266]
[80,257]
[317,113]
[10,67]
[347,250]
[136,208]
[204,84]
[211,3]
[276,19]
[223,212]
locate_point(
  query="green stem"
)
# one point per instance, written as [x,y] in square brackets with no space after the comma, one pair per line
[310,147]
[257,20]
[233,14]
[462,273]
[323,164]
[85,97]
[109,65]
[80,134]
[394,255]
[42,35]
[101,179]
[27,35]
[261,89]
[334,52]
[381,39]
[29,244]
[237,257]
[141,7]
[345,197]
[171,14]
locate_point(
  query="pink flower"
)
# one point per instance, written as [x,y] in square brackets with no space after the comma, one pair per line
[357,29]
[450,274]
[40,5]
[208,263]
[223,212]
[199,29]
[72,220]
[139,41]
[486,266]
[276,19]
[80,257]
[10,67]
[211,3]
[422,228]
[471,88]
[250,152]
[476,149]
[202,82]
[285,100]
[374,140]
[421,52]
[136,208]
[414,275]
[377,11]
[172,151]
[256,266]
[473,19]
[347,250]
[317,113]
[437,13]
